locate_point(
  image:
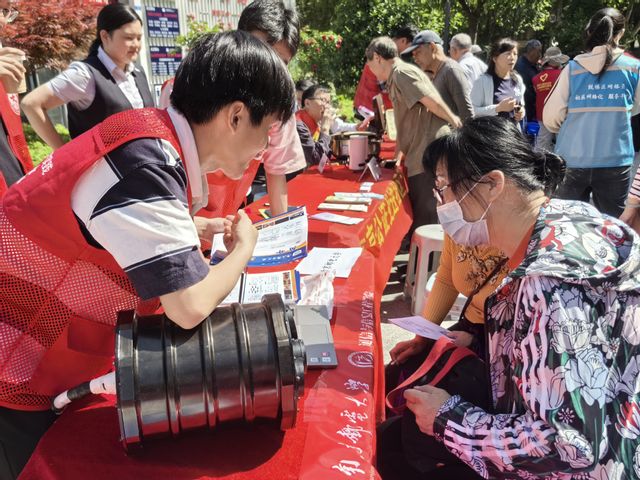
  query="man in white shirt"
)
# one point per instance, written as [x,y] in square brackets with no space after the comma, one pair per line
[460,50]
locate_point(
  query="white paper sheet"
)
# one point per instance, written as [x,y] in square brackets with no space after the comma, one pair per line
[252,286]
[281,240]
[338,260]
[335,218]
[420,326]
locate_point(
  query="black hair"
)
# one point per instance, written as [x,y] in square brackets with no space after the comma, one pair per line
[232,66]
[602,28]
[303,84]
[312,91]
[408,31]
[111,18]
[498,47]
[275,20]
[383,46]
[484,144]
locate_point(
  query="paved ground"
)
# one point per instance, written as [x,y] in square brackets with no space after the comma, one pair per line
[394,305]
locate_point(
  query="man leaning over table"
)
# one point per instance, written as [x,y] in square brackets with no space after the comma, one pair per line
[104,225]
[278,26]
[420,114]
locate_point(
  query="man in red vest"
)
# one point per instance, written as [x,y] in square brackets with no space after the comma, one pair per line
[15,160]
[105,224]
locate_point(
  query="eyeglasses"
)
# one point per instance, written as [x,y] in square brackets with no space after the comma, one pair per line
[326,101]
[438,192]
[9,14]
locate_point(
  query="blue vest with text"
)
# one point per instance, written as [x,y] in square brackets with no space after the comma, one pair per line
[597,130]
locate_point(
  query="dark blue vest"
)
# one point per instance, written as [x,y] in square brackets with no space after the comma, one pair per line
[109,99]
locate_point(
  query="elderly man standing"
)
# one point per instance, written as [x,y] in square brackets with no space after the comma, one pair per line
[420,114]
[527,67]
[460,50]
[447,76]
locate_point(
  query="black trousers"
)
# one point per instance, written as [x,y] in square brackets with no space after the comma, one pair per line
[392,464]
[609,187]
[20,432]
[423,203]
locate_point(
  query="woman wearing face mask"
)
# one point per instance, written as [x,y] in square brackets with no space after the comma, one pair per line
[563,328]
[108,81]
[500,90]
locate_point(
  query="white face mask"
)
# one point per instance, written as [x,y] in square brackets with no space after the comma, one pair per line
[468,234]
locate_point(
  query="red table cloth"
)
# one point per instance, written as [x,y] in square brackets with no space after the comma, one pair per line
[335,432]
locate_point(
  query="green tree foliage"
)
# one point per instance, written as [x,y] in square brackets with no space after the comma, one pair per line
[316,55]
[195,29]
[559,22]
[568,18]
[37,148]
[485,20]
[358,21]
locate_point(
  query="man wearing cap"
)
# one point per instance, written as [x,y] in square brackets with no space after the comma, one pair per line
[552,64]
[460,50]
[527,67]
[447,76]
[420,114]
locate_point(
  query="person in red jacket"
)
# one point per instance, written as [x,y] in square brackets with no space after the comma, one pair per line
[15,159]
[105,224]
[552,64]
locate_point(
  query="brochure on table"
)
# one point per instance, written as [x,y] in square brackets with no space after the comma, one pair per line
[252,286]
[281,239]
[338,260]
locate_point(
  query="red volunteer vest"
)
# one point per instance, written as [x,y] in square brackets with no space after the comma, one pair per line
[59,296]
[312,125]
[10,113]
[226,195]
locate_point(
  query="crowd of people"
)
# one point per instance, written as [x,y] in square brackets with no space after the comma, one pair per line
[525,161]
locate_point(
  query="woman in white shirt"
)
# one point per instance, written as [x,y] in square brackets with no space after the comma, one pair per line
[500,90]
[106,82]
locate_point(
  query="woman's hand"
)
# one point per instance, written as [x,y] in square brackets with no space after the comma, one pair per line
[403,350]
[425,401]
[506,105]
[518,113]
[364,124]
[460,338]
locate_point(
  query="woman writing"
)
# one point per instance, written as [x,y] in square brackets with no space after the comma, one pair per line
[106,82]
[500,90]
[563,328]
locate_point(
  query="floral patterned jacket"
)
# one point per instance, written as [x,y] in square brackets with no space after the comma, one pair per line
[563,357]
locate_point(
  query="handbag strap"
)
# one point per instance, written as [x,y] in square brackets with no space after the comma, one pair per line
[442,345]
[481,286]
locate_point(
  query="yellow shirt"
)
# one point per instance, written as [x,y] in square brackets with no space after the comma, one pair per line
[462,270]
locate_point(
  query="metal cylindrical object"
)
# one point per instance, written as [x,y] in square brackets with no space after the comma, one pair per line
[243,362]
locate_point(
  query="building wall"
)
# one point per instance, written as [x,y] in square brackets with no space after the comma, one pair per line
[225,12]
